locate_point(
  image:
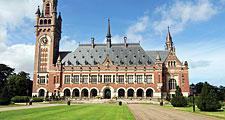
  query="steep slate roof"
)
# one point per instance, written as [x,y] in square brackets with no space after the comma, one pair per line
[134,54]
[153,53]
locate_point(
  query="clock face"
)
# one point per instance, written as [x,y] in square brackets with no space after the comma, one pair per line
[44,40]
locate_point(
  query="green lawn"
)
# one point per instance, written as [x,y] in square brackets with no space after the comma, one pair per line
[78,112]
[11,105]
[217,114]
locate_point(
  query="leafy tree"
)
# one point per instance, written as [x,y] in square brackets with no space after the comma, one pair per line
[5,72]
[18,84]
[4,98]
[178,100]
[208,100]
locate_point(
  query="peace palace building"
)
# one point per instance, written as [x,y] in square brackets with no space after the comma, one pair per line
[105,70]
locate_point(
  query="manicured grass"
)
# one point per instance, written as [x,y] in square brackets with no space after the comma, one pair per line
[217,114]
[64,112]
[11,105]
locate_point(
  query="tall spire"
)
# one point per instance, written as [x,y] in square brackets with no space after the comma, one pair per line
[108,34]
[169,42]
[169,38]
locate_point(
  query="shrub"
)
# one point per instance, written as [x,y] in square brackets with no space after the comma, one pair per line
[20,99]
[168,96]
[4,97]
[37,99]
[178,100]
[208,100]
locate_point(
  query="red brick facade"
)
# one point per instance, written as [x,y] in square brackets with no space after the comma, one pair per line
[52,75]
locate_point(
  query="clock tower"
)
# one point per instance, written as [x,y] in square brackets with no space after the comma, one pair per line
[48,35]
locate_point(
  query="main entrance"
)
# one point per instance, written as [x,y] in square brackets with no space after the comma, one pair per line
[107,94]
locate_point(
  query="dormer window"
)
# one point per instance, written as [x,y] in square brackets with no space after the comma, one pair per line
[126,56]
[82,56]
[100,56]
[47,9]
[134,56]
[74,56]
[143,56]
[91,56]
[79,50]
[117,56]
[87,50]
[104,50]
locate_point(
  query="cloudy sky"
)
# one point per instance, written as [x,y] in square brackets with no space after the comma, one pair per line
[197,28]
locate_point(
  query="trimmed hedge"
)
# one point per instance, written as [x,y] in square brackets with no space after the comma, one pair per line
[20,99]
[37,99]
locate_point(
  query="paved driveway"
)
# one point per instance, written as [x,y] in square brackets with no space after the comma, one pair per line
[154,112]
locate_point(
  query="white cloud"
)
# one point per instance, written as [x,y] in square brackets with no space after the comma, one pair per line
[206,60]
[19,56]
[66,44]
[180,13]
[133,33]
[12,15]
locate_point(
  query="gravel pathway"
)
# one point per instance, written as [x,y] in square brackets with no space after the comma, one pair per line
[153,112]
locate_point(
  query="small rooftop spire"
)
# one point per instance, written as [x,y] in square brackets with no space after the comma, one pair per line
[169,38]
[108,34]
[158,58]
[38,11]
[59,17]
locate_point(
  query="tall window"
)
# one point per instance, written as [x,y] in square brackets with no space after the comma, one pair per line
[149,79]
[67,79]
[172,84]
[94,79]
[130,79]
[85,78]
[139,79]
[76,79]
[114,78]
[121,78]
[47,9]
[42,79]
[54,79]
[107,78]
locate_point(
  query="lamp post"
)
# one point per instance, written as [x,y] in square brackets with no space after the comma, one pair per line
[193,94]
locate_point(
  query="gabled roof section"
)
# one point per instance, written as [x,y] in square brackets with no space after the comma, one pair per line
[153,54]
[118,54]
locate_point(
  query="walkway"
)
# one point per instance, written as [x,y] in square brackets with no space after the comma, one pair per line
[154,112]
[27,107]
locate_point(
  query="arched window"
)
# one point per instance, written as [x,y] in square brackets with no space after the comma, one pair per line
[45,22]
[41,22]
[47,9]
[172,84]
[174,63]
[49,21]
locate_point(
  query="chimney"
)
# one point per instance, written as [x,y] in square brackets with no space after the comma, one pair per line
[125,42]
[92,42]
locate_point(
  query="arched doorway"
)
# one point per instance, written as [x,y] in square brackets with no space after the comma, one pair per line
[93,93]
[41,93]
[67,93]
[84,93]
[107,94]
[149,93]
[121,93]
[140,93]
[130,93]
[76,93]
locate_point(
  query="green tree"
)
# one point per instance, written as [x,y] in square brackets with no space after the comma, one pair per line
[208,100]
[5,72]
[18,84]
[4,97]
[178,100]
